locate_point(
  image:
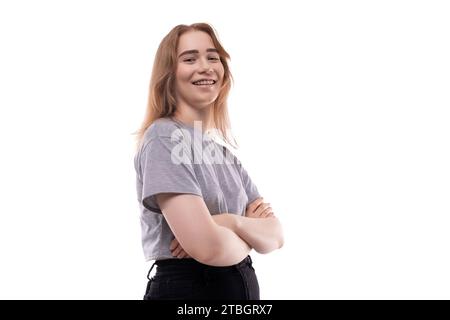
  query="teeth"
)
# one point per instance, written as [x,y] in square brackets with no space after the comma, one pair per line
[204,82]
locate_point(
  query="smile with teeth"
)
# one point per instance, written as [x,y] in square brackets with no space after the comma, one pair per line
[204,82]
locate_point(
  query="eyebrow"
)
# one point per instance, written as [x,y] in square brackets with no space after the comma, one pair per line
[196,51]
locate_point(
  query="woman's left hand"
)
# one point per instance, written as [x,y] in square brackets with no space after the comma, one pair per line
[259,209]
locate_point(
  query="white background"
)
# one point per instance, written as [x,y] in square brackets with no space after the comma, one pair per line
[341,109]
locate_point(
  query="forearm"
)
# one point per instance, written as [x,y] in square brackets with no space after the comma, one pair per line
[262,234]
[229,248]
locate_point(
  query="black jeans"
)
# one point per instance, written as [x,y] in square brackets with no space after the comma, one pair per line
[188,279]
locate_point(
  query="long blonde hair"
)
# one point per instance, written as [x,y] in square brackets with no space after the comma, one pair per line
[162,99]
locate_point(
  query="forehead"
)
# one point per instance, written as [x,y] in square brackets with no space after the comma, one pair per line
[194,40]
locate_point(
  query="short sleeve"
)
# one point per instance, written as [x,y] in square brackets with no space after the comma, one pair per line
[166,168]
[250,188]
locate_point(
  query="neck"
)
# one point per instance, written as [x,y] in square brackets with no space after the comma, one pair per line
[188,115]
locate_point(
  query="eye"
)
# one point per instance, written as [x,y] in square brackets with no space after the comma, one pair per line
[192,59]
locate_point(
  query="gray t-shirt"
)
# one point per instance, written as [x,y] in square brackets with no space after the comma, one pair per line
[175,157]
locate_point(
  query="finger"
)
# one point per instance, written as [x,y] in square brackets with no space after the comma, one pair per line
[267,213]
[173,244]
[261,208]
[255,203]
[182,254]
[175,247]
[177,251]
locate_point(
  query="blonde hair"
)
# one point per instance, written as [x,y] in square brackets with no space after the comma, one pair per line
[161,98]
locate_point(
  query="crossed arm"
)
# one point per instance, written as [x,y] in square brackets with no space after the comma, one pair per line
[258,229]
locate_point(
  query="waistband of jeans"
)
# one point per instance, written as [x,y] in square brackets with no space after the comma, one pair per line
[167,265]
[193,262]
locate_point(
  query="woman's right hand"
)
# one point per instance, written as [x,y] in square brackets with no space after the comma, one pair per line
[177,250]
[259,209]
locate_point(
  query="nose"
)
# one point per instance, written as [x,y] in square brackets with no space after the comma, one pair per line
[205,66]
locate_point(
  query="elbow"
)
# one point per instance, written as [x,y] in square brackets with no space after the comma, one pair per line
[213,254]
[276,244]
[217,254]
[205,255]
[281,242]
[280,236]
[276,240]
[213,258]
[206,251]
[279,239]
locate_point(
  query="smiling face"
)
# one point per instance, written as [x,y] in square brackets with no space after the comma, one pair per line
[197,59]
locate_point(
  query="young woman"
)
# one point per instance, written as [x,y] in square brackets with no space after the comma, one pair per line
[201,214]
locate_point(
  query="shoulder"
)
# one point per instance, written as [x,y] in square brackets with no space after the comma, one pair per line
[160,138]
[161,128]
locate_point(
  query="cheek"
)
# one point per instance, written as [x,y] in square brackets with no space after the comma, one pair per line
[183,75]
[221,72]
